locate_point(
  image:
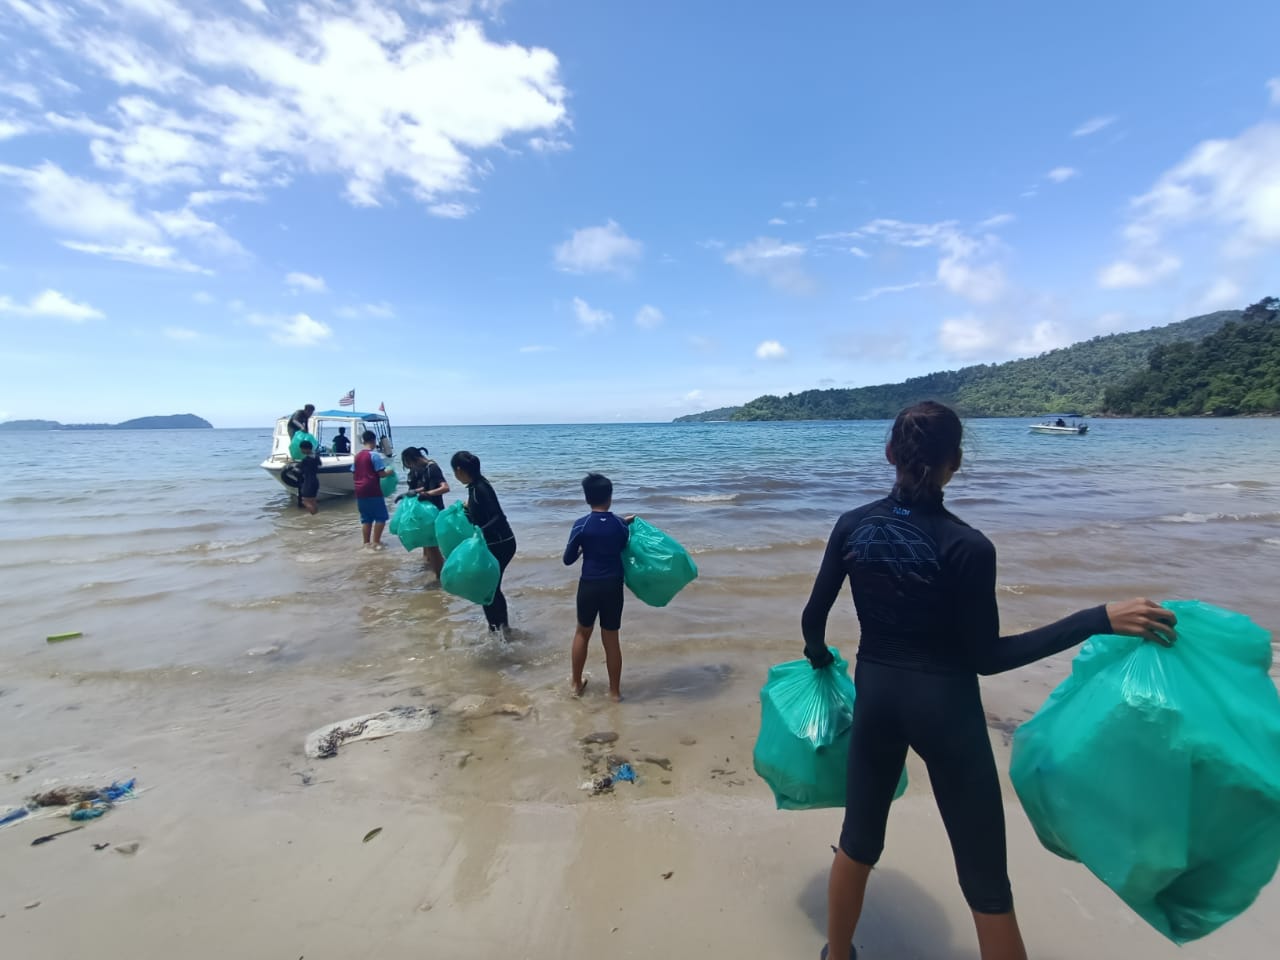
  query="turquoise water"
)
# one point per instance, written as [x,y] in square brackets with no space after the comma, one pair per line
[183,550]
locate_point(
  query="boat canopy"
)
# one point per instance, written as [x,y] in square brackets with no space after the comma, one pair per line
[352,415]
[1068,416]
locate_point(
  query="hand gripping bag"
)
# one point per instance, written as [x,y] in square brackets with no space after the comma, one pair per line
[388,484]
[471,572]
[295,444]
[1159,769]
[417,527]
[802,751]
[654,565]
[453,527]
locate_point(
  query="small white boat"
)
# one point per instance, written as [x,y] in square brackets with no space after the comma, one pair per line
[1067,424]
[337,476]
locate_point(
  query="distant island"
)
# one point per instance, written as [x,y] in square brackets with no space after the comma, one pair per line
[177,421]
[1218,364]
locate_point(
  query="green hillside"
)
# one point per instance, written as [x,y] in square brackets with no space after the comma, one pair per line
[1073,378]
[1235,370]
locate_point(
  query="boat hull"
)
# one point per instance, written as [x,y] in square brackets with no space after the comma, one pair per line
[336,476]
[1059,431]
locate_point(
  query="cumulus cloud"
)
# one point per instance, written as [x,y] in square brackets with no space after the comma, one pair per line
[771,350]
[649,317]
[298,330]
[603,249]
[1092,126]
[1124,274]
[775,261]
[51,303]
[589,318]
[306,282]
[12,128]
[967,266]
[1062,174]
[971,336]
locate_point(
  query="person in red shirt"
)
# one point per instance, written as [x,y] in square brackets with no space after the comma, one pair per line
[370,468]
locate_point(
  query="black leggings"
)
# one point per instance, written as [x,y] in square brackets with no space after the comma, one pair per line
[940,717]
[496,612]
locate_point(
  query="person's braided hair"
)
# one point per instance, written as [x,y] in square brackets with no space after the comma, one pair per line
[924,442]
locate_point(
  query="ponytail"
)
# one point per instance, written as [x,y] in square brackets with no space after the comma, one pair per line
[924,444]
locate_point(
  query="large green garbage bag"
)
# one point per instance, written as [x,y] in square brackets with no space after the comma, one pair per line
[389,483]
[654,565]
[471,572]
[295,444]
[1159,769]
[453,528]
[802,751]
[416,526]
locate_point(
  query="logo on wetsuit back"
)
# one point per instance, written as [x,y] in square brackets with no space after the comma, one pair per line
[903,547]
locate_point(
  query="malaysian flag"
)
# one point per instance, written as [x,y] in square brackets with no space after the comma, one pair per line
[348,400]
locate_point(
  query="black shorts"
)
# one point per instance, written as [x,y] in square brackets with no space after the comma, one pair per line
[309,489]
[602,598]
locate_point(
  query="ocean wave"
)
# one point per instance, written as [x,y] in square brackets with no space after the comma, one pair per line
[1191,517]
[709,497]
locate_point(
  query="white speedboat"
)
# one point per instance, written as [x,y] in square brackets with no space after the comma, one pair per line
[1067,425]
[337,476]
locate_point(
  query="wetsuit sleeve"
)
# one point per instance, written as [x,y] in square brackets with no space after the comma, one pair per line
[992,653]
[435,477]
[826,588]
[483,507]
[573,550]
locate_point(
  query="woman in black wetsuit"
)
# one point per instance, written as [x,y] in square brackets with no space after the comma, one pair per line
[486,513]
[924,588]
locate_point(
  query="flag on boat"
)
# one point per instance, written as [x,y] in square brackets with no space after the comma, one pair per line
[348,399]
[382,408]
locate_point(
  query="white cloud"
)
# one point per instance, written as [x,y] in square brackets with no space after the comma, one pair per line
[1273,85]
[967,266]
[204,198]
[1062,174]
[549,145]
[811,203]
[970,336]
[589,318]
[374,311]
[186,224]
[711,244]
[1128,273]
[299,330]
[1224,293]
[694,396]
[877,292]
[999,220]
[777,262]
[1092,126]
[536,348]
[138,252]
[600,249]
[771,350]
[12,128]
[24,92]
[181,334]
[449,211]
[649,317]
[777,222]
[77,206]
[203,297]
[306,282]
[51,303]
[859,252]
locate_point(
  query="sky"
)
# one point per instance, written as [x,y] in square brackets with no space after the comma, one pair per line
[517,211]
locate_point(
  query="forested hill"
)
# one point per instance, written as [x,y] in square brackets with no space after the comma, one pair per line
[1235,370]
[177,421]
[1073,378]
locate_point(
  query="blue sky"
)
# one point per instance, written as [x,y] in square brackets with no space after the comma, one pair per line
[527,211]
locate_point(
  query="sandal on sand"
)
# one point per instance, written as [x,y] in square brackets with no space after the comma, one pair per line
[853,952]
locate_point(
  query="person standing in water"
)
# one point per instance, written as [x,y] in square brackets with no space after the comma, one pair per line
[369,469]
[427,483]
[924,589]
[484,510]
[308,478]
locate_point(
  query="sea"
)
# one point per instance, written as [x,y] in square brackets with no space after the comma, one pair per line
[214,611]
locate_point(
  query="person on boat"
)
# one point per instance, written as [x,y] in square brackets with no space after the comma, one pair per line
[342,443]
[484,510]
[369,469]
[1060,423]
[924,585]
[300,419]
[427,482]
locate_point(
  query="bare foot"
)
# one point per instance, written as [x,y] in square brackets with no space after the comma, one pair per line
[615,696]
[577,687]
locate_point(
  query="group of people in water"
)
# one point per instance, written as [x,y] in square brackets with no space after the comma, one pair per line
[924,588]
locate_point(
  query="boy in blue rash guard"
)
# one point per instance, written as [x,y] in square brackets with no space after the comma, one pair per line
[598,538]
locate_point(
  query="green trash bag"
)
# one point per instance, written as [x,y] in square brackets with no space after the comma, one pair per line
[654,565]
[1159,769]
[802,751]
[417,523]
[453,527]
[389,483]
[472,572]
[295,444]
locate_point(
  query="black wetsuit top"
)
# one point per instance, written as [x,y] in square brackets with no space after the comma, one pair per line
[341,444]
[486,513]
[924,587]
[426,478]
